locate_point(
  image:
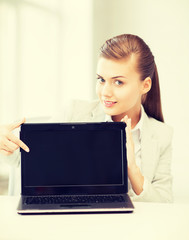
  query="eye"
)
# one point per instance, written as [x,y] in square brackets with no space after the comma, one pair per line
[118,82]
[100,80]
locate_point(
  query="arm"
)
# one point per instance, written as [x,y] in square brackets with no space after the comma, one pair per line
[135,176]
[159,187]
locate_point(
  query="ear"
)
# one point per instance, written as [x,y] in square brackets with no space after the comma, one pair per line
[146,85]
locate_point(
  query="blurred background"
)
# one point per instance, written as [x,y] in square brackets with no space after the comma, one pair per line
[49,50]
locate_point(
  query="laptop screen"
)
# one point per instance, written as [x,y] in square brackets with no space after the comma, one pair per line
[73,157]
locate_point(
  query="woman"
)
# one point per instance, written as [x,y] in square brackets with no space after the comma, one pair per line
[128,90]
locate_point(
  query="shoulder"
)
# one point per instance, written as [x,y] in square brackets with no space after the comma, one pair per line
[77,104]
[158,130]
[81,110]
[160,127]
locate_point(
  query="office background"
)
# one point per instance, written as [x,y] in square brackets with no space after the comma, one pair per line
[49,50]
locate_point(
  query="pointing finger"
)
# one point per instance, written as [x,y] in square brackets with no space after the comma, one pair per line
[10,146]
[18,142]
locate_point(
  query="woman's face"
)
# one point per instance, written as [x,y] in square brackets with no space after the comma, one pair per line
[119,87]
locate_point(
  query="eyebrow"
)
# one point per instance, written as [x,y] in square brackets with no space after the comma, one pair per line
[112,77]
[118,77]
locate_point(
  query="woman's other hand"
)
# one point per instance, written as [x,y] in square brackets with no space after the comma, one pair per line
[130,144]
[8,141]
[135,176]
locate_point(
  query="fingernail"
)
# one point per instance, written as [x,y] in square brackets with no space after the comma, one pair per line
[27,149]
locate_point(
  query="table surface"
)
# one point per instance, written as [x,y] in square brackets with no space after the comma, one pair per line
[149,221]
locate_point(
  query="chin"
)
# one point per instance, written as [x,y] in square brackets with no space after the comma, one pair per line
[111,112]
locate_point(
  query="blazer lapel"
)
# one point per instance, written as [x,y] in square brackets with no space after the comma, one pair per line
[149,150]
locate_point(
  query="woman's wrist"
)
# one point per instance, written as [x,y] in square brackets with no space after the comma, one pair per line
[136,178]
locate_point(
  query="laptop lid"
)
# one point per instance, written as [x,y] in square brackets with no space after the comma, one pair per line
[74,158]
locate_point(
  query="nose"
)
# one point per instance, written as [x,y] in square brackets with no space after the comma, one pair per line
[107,90]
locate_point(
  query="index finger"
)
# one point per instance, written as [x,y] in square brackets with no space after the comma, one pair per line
[19,142]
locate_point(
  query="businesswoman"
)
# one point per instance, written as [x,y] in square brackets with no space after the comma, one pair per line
[128,90]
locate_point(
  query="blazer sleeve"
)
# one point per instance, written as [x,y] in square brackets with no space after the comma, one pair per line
[159,187]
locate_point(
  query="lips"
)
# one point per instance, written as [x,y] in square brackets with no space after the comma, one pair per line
[109,103]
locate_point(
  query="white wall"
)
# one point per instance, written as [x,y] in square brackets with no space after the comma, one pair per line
[164,25]
[45,55]
[77,51]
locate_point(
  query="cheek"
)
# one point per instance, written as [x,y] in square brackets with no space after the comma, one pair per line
[128,95]
[97,89]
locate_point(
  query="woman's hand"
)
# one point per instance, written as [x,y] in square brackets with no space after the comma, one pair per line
[134,173]
[130,144]
[8,141]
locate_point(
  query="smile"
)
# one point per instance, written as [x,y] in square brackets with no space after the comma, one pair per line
[109,103]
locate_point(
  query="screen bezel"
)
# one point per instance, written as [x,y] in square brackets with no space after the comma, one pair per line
[74,190]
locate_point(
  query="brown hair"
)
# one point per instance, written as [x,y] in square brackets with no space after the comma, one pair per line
[125,45]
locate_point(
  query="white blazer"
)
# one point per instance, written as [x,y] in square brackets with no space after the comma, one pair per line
[156,150]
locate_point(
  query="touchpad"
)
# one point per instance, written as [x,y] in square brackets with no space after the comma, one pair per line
[75,205]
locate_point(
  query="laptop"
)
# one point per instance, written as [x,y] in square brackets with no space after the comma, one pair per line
[74,168]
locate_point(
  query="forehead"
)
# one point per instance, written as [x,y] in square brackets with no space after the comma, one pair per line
[110,68]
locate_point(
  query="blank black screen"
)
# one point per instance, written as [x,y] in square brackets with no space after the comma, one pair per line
[73,158]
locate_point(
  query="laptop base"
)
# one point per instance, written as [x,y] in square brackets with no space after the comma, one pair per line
[121,207]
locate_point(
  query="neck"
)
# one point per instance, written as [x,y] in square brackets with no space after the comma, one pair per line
[133,114]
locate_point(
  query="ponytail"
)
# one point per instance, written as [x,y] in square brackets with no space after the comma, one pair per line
[152,101]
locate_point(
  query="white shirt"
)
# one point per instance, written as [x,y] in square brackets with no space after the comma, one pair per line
[136,134]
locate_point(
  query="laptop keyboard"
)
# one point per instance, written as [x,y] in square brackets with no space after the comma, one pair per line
[73,199]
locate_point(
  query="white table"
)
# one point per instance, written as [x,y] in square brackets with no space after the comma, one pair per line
[152,221]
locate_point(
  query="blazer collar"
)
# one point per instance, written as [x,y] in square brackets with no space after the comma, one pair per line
[149,149]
